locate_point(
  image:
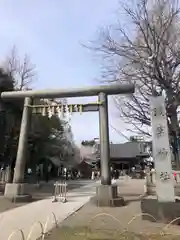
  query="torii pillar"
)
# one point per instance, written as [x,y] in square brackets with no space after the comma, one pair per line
[106,193]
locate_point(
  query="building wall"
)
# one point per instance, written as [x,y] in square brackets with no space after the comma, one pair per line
[127,150]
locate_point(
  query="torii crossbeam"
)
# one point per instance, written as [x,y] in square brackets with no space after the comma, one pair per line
[102,106]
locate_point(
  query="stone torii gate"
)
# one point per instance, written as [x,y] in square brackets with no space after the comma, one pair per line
[105,192]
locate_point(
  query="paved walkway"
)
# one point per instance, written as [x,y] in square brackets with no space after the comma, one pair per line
[45,191]
[24,217]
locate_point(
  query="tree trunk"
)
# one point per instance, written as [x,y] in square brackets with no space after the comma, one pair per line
[175,129]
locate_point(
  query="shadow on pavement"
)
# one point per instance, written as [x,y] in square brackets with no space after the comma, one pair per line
[46,190]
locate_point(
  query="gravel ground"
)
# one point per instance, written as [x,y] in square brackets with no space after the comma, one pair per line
[111,220]
[6,204]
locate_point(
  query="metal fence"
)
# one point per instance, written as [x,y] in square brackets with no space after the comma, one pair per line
[60,192]
[121,230]
[43,230]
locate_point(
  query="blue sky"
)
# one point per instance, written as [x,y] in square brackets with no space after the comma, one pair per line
[51,32]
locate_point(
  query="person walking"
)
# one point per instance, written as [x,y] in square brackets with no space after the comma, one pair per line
[92,175]
[38,174]
[175,176]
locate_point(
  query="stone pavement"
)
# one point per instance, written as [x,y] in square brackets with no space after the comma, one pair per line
[45,191]
[24,217]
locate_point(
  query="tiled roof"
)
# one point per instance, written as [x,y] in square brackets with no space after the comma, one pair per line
[125,150]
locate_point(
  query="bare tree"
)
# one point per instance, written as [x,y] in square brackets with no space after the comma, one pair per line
[20,69]
[147,52]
